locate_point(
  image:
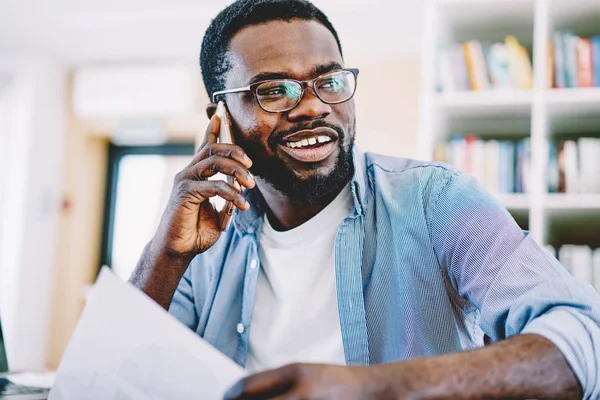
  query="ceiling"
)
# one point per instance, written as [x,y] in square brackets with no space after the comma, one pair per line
[78,32]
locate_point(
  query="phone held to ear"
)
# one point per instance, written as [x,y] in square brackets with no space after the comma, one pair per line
[224,208]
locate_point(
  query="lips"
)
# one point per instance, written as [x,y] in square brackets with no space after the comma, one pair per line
[311,145]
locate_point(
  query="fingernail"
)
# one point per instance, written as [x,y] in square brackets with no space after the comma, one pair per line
[251,179]
[247,159]
[246,204]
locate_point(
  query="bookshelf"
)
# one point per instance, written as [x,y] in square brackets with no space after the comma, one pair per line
[541,114]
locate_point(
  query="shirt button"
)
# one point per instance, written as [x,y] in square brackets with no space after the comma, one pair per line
[240,328]
[253,264]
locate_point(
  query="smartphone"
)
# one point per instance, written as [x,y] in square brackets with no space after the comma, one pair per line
[224,208]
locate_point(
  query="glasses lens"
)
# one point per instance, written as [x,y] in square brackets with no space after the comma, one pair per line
[278,96]
[336,87]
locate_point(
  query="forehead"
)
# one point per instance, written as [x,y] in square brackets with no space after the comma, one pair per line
[293,48]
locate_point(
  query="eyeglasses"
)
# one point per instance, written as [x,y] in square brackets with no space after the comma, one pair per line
[281,95]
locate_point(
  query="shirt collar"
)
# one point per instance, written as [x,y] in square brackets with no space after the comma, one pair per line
[250,221]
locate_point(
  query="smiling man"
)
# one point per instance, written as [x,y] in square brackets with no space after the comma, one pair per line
[376,276]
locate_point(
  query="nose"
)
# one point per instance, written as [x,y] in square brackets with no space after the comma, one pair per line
[309,108]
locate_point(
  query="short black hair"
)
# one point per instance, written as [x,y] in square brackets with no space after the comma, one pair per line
[240,14]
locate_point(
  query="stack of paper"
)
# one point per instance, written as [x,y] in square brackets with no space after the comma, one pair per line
[127,347]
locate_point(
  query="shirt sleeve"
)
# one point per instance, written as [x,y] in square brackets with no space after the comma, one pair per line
[182,306]
[517,285]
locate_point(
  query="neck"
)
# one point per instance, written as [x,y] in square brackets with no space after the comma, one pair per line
[285,215]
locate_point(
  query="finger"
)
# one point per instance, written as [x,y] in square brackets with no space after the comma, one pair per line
[212,133]
[223,149]
[206,189]
[215,164]
[264,385]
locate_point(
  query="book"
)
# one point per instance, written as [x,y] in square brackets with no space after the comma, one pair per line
[519,64]
[570,53]
[446,78]
[498,66]
[571,167]
[565,257]
[459,68]
[585,71]
[550,65]
[476,66]
[589,164]
[553,169]
[523,166]
[559,60]
[491,168]
[595,40]
[581,263]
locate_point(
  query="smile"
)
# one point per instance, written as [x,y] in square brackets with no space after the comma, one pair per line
[310,145]
[312,141]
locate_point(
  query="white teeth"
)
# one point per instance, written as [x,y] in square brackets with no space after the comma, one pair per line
[308,142]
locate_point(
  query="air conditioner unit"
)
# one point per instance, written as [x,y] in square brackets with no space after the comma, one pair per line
[133,91]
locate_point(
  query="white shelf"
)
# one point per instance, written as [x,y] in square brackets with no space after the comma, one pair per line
[542,114]
[490,103]
[575,202]
[574,102]
[514,201]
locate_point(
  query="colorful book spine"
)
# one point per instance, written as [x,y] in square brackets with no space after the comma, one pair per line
[476,66]
[570,52]
[595,40]
[585,70]
[519,64]
[498,66]
[559,61]
[550,65]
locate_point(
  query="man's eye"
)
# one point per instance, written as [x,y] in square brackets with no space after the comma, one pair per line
[274,91]
[330,84]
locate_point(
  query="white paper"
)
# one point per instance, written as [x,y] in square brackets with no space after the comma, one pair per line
[127,347]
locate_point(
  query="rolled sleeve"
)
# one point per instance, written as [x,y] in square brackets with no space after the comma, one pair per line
[577,337]
[182,306]
[517,286]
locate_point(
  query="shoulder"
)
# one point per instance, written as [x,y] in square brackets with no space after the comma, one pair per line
[400,174]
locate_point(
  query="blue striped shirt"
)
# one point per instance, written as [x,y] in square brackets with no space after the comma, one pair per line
[425,264]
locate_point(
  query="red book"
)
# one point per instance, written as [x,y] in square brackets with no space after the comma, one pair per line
[584,63]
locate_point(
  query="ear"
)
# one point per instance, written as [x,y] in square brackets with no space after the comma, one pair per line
[210,109]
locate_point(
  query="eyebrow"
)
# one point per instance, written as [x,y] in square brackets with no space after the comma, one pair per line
[316,71]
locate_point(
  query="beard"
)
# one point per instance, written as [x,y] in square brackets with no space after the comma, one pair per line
[313,189]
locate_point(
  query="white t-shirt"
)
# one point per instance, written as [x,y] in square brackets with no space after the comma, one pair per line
[295,317]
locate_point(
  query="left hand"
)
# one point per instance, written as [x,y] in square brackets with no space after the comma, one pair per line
[314,381]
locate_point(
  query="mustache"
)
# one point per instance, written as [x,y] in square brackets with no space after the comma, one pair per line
[277,137]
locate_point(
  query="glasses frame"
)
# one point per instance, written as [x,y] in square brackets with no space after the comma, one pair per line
[303,84]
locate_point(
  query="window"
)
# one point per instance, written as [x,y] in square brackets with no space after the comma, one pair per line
[139,184]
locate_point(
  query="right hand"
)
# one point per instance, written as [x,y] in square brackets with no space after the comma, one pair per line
[189,224]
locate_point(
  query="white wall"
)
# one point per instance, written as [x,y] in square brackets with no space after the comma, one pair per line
[31,209]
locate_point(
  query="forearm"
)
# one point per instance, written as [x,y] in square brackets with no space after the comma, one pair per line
[157,274]
[523,367]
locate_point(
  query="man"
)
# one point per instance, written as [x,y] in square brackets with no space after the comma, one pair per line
[375,272]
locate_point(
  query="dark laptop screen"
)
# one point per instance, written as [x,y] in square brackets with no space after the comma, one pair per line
[3,361]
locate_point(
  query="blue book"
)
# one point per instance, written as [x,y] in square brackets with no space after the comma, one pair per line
[596,59]
[570,53]
[507,166]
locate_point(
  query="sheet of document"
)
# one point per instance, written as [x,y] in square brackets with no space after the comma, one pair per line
[127,347]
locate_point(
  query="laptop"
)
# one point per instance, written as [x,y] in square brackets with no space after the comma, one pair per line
[10,390]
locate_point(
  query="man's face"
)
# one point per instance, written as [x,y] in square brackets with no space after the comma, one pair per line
[299,50]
